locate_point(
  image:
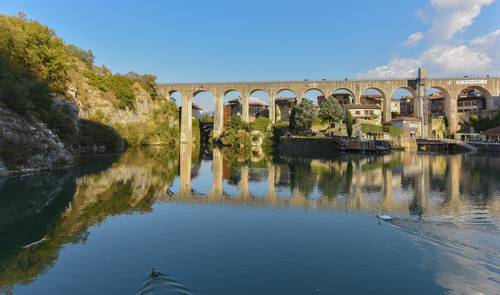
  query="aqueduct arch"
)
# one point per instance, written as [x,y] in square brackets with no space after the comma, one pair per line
[450,86]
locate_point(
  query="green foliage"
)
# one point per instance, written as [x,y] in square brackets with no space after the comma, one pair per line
[474,119]
[317,121]
[119,85]
[206,118]
[393,131]
[85,56]
[236,123]
[279,130]
[147,82]
[330,110]
[261,124]
[349,123]
[486,123]
[33,49]
[302,117]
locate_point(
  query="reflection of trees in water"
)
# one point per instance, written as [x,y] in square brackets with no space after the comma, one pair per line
[132,184]
[301,177]
[403,182]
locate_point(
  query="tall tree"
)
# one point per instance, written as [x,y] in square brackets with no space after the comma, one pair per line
[302,117]
[349,123]
[330,111]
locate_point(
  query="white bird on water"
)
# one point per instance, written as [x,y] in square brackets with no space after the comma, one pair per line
[384,217]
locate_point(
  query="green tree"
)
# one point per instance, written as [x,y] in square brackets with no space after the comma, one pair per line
[349,123]
[330,111]
[473,120]
[302,117]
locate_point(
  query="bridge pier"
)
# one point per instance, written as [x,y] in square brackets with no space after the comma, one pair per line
[245,107]
[186,117]
[217,177]
[451,110]
[387,107]
[185,168]
[244,177]
[272,109]
[218,116]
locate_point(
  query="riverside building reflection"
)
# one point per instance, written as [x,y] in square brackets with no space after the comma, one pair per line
[403,183]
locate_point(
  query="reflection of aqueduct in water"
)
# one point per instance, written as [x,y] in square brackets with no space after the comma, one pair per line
[374,190]
[418,87]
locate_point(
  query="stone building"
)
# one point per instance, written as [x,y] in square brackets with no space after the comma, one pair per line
[412,127]
[368,112]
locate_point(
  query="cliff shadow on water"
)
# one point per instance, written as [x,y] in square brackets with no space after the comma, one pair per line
[31,207]
[41,213]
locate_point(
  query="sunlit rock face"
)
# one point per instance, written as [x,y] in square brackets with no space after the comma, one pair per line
[28,145]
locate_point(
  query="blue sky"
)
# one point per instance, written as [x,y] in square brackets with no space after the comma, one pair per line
[243,40]
[222,40]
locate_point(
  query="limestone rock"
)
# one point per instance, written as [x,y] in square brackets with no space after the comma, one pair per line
[28,145]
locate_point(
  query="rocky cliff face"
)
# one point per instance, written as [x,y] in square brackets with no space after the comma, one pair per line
[28,145]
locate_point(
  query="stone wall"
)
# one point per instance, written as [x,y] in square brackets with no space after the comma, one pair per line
[314,148]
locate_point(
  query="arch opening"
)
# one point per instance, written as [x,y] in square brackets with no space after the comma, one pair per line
[315,95]
[344,96]
[473,99]
[371,108]
[435,97]
[284,100]
[202,115]
[176,97]
[232,105]
[472,103]
[259,104]
[402,103]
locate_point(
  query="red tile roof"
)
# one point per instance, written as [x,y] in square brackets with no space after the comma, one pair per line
[492,131]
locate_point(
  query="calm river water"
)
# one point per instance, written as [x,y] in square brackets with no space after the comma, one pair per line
[219,223]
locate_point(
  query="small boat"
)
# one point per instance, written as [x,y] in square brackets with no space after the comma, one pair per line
[384,217]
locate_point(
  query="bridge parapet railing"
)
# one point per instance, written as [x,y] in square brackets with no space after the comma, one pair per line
[287,81]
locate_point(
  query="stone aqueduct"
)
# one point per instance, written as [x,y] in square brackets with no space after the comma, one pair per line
[449,87]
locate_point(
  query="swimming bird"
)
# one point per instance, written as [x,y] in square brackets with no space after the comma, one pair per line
[384,217]
[154,274]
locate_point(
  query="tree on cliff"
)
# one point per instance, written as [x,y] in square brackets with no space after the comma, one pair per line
[349,123]
[330,111]
[302,117]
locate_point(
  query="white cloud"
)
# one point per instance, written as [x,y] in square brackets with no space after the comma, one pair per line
[397,68]
[414,38]
[446,56]
[455,59]
[453,16]
[488,40]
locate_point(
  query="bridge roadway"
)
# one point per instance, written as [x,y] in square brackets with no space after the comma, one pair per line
[450,87]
